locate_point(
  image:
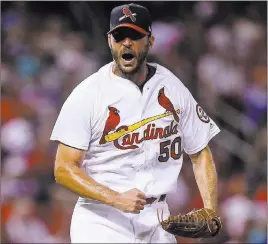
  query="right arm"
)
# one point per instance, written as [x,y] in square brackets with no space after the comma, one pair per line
[73,128]
[69,174]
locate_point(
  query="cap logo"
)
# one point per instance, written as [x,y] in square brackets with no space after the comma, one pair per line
[128,13]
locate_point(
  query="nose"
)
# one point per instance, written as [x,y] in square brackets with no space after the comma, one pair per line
[127,42]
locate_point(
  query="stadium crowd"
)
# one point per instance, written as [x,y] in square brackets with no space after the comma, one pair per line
[217,49]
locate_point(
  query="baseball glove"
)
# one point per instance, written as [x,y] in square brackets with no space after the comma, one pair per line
[195,224]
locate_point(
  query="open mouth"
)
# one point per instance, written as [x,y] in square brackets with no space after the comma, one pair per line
[127,56]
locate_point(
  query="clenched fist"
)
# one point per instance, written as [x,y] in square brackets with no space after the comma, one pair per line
[131,201]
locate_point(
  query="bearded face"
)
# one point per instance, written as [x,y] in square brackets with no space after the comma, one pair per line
[129,49]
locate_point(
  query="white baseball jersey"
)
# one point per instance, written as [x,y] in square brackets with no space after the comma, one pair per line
[133,138]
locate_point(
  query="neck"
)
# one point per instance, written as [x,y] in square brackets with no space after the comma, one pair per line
[138,77]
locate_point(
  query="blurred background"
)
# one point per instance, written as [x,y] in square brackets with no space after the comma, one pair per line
[217,49]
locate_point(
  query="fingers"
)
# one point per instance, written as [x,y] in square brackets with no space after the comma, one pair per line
[138,209]
[142,202]
[139,206]
[140,194]
[133,201]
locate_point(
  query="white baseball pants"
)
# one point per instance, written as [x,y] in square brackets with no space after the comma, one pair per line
[100,223]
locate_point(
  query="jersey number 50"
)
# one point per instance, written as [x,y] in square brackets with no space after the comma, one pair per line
[170,149]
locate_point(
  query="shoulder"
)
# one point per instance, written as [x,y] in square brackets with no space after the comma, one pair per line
[171,81]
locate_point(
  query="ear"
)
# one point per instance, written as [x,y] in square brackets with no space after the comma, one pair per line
[109,41]
[151,41]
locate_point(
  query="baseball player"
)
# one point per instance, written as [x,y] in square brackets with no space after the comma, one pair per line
[121,134]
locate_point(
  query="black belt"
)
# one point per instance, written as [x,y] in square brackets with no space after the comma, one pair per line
[152,199]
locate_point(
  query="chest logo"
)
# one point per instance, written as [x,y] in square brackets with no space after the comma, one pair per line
[151,132]
[130,137]
[164,101]
[111,123]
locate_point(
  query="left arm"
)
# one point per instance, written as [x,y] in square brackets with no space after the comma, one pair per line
[206,177]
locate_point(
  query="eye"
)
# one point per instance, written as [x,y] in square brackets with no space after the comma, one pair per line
[122,33]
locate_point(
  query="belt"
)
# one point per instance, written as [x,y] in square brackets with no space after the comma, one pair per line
[153,199]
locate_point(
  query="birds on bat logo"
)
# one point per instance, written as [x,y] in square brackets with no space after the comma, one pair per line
[111,123]
[150,133]
[165,102]
[128,13]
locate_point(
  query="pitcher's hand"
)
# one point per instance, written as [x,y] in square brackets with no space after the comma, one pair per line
[131,201]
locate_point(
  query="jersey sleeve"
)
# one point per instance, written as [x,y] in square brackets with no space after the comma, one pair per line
[73,125]
[197,127]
